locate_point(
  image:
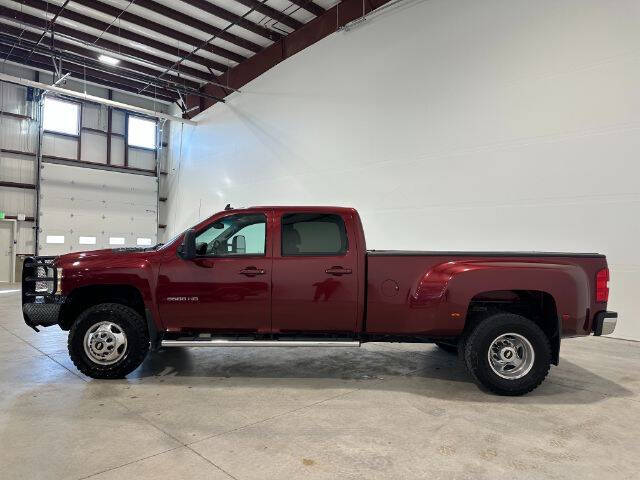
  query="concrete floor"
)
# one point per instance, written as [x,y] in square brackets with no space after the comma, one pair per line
[383,411]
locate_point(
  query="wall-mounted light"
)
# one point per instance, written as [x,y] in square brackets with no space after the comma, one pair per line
[108,60]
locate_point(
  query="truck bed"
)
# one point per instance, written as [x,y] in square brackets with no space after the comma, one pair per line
[424,253]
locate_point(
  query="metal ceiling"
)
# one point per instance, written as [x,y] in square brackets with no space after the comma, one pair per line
[192,52]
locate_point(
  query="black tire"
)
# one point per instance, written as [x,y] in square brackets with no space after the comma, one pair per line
[479,340]
[129,321]
[447,347]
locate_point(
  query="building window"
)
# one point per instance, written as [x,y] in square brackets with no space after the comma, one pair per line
[116,240]
[61,116]
[142,132]
[87,240]
[55,238]
[143,242]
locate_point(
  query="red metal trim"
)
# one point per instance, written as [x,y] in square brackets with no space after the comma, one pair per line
[309,6]
[318,28]
[272,13]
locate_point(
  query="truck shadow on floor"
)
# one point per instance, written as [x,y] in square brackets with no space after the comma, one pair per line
[424,370]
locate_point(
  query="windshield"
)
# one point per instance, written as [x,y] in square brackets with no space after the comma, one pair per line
[162,246]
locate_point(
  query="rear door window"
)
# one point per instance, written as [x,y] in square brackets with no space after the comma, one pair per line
[313,234]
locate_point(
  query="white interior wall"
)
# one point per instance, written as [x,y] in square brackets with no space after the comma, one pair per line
[466,125]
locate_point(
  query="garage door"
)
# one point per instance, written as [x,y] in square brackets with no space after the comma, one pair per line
[86,209]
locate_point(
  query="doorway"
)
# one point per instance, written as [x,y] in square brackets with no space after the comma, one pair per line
[7,250]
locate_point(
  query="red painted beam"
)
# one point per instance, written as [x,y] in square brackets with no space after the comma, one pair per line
[309,6]
[272,13]
[207,27]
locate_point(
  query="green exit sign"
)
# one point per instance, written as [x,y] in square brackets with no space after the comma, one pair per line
[1,215]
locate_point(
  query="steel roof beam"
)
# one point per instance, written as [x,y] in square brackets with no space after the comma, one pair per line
[93,55]
[213,10]
[89,39]
[309,6]
[92,75]
[129,35]
[171,33]
[271,13]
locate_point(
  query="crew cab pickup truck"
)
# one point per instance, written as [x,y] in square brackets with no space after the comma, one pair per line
[302,276]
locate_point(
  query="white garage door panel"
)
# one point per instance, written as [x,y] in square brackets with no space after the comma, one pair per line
[80,202]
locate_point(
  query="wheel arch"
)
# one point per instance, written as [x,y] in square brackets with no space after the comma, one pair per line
[84,297]
[538,306]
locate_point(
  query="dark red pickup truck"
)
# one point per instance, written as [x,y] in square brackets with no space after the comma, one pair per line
[302,276]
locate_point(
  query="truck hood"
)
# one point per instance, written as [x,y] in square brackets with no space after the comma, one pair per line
[70,259]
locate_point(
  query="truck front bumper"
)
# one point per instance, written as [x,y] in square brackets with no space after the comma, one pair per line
[41,299]
[605,323]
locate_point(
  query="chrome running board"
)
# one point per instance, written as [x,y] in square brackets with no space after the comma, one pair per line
[256,343]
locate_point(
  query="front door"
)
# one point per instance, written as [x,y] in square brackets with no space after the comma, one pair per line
[227,287]
[315,275]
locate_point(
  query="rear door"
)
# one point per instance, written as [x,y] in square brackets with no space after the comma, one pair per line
[315,273]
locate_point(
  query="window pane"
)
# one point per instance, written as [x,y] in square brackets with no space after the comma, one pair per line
[116,240]
[143,242]
[87,240]
[55,238]
[313,234]
[242,234]
[60,116]
[142,132]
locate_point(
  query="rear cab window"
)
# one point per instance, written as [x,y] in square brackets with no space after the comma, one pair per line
[313,234]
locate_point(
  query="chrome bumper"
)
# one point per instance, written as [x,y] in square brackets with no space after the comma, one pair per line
[605,323]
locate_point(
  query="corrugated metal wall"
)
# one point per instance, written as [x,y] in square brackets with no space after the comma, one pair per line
[19,128]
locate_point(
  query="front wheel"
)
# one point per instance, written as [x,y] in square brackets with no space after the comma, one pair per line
[508,354]
[108,340]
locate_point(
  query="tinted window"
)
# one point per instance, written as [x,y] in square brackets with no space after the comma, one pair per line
[242,234]
[313,234]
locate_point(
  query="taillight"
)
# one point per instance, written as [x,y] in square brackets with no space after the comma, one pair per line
[602,288]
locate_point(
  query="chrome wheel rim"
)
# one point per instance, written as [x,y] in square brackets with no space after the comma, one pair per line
[511,356]
[105,343]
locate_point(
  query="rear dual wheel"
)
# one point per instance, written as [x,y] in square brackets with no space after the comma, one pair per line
[508,354]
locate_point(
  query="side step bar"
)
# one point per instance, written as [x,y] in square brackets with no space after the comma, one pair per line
[256,343]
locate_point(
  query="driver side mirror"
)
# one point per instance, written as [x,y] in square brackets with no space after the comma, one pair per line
[238,244]
[187,251]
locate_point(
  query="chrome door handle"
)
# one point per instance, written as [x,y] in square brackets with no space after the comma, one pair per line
[252,271]
[336,270]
